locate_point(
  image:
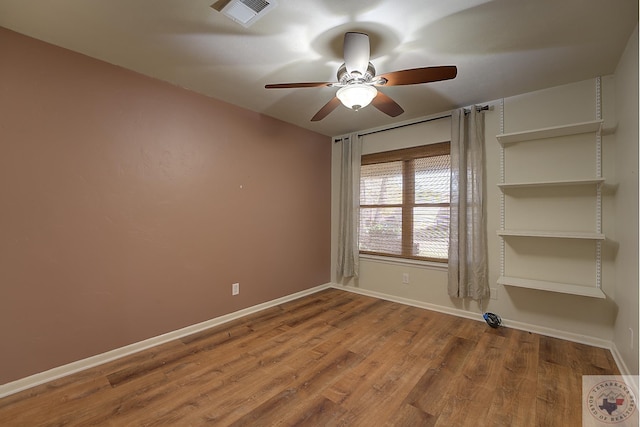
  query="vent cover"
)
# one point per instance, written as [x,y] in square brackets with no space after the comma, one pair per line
[246,12]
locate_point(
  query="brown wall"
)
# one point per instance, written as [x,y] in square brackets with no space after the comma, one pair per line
[128,207]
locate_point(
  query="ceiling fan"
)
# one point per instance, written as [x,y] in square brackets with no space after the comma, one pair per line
[357,80]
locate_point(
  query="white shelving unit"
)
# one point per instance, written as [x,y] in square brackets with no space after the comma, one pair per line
[561,183]
[529,137]
[550,132]
[552,234]
[565,288]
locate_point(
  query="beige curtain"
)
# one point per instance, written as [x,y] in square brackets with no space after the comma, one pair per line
[348,265]
[468,231]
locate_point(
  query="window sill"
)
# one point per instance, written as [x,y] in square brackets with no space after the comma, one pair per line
[402,261]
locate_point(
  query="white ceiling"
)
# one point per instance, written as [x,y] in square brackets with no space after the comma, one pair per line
[501,47]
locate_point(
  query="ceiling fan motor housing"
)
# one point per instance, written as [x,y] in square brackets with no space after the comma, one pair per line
[345,78]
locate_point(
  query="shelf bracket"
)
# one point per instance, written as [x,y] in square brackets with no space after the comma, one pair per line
[502,196]
[599,188]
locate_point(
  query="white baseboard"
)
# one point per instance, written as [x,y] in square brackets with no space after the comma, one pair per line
[582,339]
[622,367]
[90,362]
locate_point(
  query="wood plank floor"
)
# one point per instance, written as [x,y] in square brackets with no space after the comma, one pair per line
[330,359]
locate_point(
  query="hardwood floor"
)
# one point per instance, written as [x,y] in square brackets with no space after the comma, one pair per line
[332,358]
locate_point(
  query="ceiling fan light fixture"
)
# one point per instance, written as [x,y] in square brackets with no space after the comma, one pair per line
[356,96]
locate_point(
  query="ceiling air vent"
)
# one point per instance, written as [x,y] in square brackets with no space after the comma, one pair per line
[246,12]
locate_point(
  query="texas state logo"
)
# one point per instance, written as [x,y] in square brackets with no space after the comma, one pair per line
[609,401]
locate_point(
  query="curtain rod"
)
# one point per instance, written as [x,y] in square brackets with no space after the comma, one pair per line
[466,111]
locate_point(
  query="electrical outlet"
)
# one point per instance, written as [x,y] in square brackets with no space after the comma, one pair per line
[405,278]
[493,293]
[235,289]
[631,338]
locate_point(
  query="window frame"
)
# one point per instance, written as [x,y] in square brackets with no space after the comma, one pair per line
[407,156]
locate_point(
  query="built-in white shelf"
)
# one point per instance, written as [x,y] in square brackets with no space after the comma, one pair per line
[565,288]
[594,181]
[550,132]
[552,234]
[546,188]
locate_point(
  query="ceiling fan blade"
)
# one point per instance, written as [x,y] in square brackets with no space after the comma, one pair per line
[356,52]
[420,75]
[324,111]
[387,105]
[296,85]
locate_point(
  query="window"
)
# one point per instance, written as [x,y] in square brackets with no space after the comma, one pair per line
[404,203]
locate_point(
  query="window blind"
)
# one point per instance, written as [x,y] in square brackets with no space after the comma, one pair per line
[404,203]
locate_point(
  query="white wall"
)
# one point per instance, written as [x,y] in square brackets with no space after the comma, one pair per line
[573,317]
[626,205]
